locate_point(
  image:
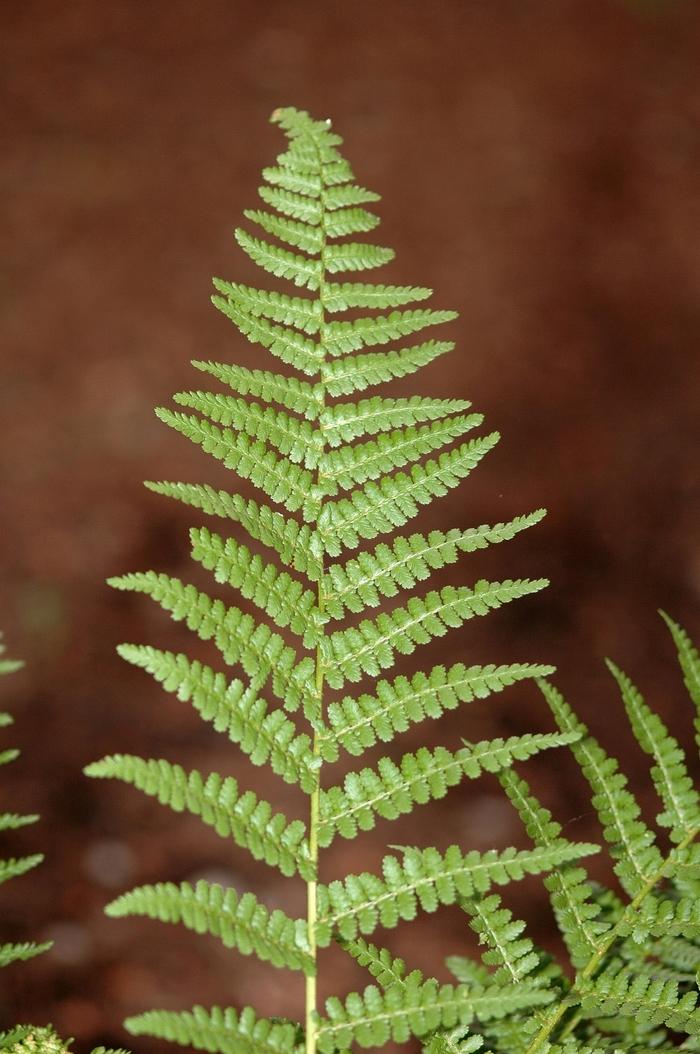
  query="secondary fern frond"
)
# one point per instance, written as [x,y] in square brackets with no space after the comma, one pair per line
[14,867]
[225,1031]
[240,922]
[250,821]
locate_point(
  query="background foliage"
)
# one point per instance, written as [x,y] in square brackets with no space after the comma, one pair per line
[547,192]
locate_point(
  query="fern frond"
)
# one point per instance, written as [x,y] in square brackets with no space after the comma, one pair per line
[12,953]
[364,580]
[372,646]
[259,650]
[283,598]
[378,508]
[513,955]
[425,879]
[265,736]
[355,373]
[571,895]
[298,396]
[301,312]
[357,724]
[350,466]
[631,842]
[417,1007]
[391,790]
[304,271]
[295,543]
[288,435]
[345,295]
[245,818]
[340,338]
[297,233]
[651,1001]
[344,422]
[16,866]
[669,771]
[282,481]
[689,660]
[219,1031]
[240,922]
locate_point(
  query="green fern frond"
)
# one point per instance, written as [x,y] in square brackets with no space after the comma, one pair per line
[336,474]
[425,879]
[216,1030]
[418,1007]
[266,736]
[578,914]
[391,790]
[273,591]
[240,922]
[12,953]
[364,580]
[381,507]
[669,772]
[631,842]
[357,724]
[295,543]
[689,660]
[372,646]
[355,373]
[651,1001]
[250,821]
[344,422]
[14,867]
[261,652]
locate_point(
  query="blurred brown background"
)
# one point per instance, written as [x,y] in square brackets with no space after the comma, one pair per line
[539,163]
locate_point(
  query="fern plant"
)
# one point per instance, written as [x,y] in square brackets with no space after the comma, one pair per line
[343,471]
[10,821]
[635,950]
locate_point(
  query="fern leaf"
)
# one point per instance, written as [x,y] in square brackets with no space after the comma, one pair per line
[342,222]
[11,821]
[249,821]
[513,955]
[304,271]
[651,1001]
[289,436]
[240,922]
[284,343]
[632,844]
[418,1007]
[14,867]
[357,724]
[298,234]
[265,736]
[391,790]
[364,580]
[297,544]
[669,772]
[577,913]
[355,373]
[12,953]
[345,295]
[378,508]
[426,879]
[689,660]
[296,395]
[283,482]
[275,592]
[372,646]
[220,1031]
[296,207]
[259,650]
[382,965]
[301,312]
[340,338]
[347,421]
[351,466]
